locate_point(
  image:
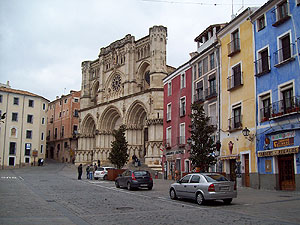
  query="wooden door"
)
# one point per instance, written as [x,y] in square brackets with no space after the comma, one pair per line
[247,175]
[286,172]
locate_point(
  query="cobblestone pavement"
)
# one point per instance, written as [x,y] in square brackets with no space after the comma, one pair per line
[52,195]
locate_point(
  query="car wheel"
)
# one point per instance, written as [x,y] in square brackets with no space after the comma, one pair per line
[105,177]
[117,184]
[173,195]
[129,186]
[200,199]
[227,201]
[96,178]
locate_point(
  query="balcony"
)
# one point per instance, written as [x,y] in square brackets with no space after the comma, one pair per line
[167,143]
[234,81]
[182,111]
[265,114]
[280,14]
[262,66]
[233,47]
[284,55]
[199,97]
[210,92]
[181,141]
[235,123]
[285,107]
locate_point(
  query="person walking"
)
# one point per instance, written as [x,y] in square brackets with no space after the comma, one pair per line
[79,171]
[91,171]
[87,171]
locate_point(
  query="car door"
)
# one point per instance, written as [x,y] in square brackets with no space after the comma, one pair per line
[122,180]
[182,186]
[192,186]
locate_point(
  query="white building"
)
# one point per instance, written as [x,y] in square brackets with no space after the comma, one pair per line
[23,130]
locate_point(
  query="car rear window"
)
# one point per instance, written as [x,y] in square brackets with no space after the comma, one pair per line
[141,173]
[215,177]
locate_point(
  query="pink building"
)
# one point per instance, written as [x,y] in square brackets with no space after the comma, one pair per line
[62,127]
[177,108]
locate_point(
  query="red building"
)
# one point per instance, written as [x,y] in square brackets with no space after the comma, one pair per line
[177,108]
[62,127]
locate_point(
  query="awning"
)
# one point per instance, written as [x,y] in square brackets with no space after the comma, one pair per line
[227,157]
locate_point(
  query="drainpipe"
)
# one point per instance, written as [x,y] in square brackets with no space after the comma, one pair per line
[5,130]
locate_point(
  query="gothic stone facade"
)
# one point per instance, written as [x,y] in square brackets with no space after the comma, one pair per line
[124,86]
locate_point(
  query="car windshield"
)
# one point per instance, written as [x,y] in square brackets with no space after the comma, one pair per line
[141,173]
[215,177]
[100,169]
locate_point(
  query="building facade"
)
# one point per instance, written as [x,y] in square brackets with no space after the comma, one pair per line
[124,86]
[237,155]
[62,127]
[177,108]
[276,30]
[23,130]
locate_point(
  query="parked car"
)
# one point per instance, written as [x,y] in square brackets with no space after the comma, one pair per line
[101,172]
[204,186]
[134,179]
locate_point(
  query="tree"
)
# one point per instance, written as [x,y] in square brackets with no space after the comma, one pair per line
[202,143]
[118,155]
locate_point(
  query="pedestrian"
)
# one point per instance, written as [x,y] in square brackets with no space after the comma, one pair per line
[95,167]
[134,159]
[87,171]
[42,161]
[91,171]
[99,163]
[79,171]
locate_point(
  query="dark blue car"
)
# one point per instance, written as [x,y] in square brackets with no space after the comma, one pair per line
[134,179]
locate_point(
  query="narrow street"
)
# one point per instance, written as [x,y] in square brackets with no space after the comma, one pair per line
[52,195]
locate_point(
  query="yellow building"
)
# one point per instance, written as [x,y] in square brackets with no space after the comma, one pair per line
[237,154]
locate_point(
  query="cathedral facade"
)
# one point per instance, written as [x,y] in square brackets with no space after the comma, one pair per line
[124,86]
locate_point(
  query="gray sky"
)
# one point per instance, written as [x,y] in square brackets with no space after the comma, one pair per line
[43,42]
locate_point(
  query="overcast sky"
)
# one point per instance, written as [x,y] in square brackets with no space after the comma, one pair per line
[43,42]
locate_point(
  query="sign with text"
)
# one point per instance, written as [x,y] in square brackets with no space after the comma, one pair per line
[283,142]
[284,151]
[283,135]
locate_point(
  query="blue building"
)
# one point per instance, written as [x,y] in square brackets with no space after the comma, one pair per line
[277,72]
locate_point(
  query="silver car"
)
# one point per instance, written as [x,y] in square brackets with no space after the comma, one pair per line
[204,186]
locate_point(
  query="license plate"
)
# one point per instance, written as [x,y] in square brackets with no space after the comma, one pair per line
[224,188]
[144,185]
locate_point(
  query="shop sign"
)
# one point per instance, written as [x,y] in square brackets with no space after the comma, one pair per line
[284,151]
[283,135]
[283,142]
[228,157]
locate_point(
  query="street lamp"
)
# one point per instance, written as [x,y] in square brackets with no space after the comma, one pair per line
[247,135]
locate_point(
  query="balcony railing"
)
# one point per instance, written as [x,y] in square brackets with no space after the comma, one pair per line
[182,111]
[280,14]
[265,114]
[284,55]
[286,106]
[181,141]
[235,80]
[167,143]
[199,97]
[262,66]
[210,92]
[235,122]
[233,47]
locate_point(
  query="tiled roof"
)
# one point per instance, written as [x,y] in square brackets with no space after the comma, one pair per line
[21,92]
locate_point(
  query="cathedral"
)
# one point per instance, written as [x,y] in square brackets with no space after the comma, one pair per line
[124,86]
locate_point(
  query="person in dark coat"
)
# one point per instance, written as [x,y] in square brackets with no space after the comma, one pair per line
[79,171]
[87,172]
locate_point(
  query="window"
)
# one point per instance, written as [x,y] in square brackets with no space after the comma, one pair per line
[27,159]
[11,161]
[1,98]
[237,122]
[42,136]
[76,100]
[168,137]
[62,131]
[185,179]
[59,114]
[27,149]
[212,90]
[195,72]
[282,10]
[42,149]
[187,166]
[169,88]
[212,61]
[65,144]
[205,65]
[181,140]
[262,64]
[75,127]
[76,113]
[29,134]
[287,96]
[182,107]
[14,117]
[12,148]
[234,45]
[55,132]
[169,112]
[43,120]
[44,106]
[265,107]
[212,113]
[66,100]
[29,118]
[195,179]
[261,23]
[284,52]
[13,132]
[182,81]
[16,101]
[200,69]
[236,77]
[199,91]
[30,103]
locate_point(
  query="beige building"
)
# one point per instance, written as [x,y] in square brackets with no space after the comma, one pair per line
[124,86]
[23,130]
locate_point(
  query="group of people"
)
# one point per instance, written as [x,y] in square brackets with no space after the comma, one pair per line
[90,169]
[135,161]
